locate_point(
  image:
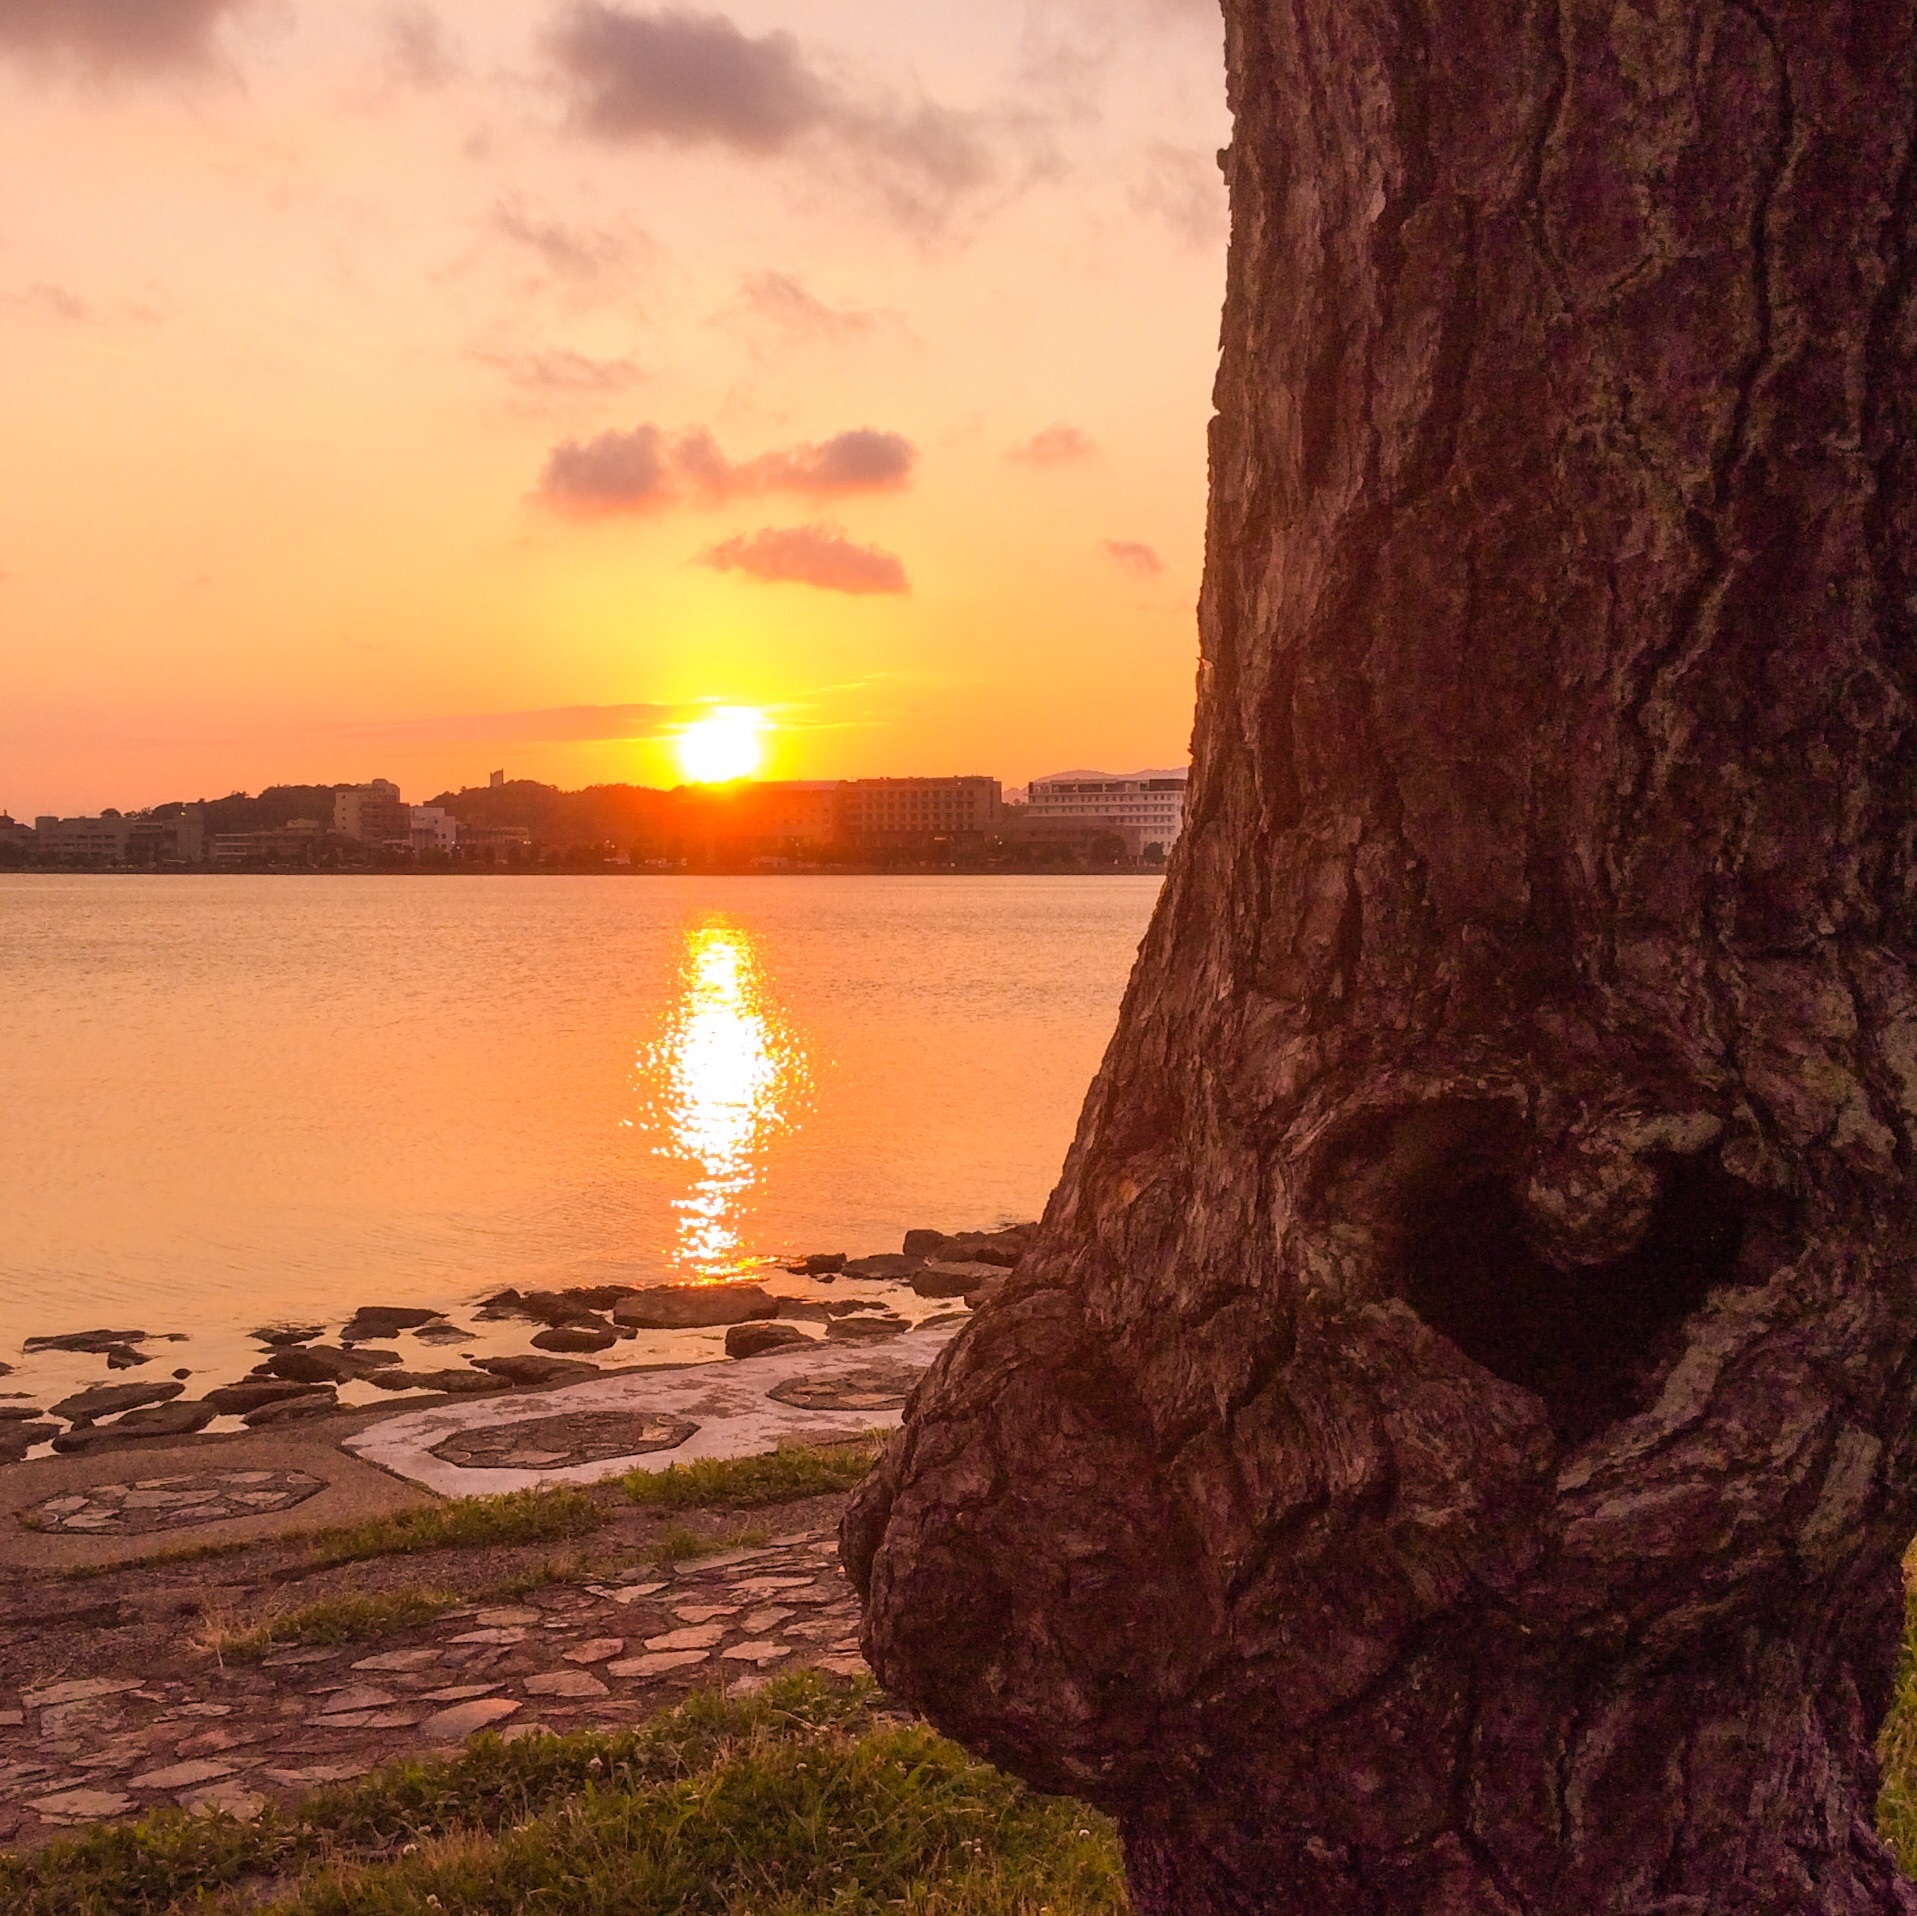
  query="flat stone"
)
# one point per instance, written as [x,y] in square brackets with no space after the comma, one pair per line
[844,1666]
[382,1320]
[760,1653]
[314,1773]
[533,1371]
[870,1387]
[81,1806]
[87,1343]
[235,1400]
[693,1306]
[954,1280]
[818,1264]
[574,1437]
[224,1799]
[592,1336]
[701,1637]
[313,1403]
[459,1692]
[508,1615]
[596,1650]
[181,1776]
[447,1726]
[80,1690]
[279,1336]
[657,1663]
[454,1381]
[357,1696]
[401,1719]
[16,1413]
[885,1268]
[864,1328]
[769,1586]
[769,1618]
[703,1612]
[398,1660]
[329,1364]
[490,1636]
[103,1400]
[754,1340]
[565,1683]
[443,1334]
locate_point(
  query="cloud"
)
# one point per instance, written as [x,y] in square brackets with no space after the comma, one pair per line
[616,472]
[420,50]
[687,78]
[809,555]
[67,308]
[637,470]
[1056,445]
[1137,558]
[581,253]
[558,369]
[693,79]
[787,303]
[110,36]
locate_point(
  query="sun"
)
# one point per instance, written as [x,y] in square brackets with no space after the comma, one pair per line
[727,743]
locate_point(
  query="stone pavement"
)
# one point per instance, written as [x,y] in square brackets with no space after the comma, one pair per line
[582,1654]
[579,1433]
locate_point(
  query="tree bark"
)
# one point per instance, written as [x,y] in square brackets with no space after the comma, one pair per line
[1451,1447]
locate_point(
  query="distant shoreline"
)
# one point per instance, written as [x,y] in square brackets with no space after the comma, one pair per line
[584,871]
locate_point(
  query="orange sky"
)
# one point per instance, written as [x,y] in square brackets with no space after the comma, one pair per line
[398,392]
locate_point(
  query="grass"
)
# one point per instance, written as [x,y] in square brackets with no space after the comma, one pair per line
[516,1517]
[800,1798]
[1897,1747]
[739,1483]
[355,1617]
[680,1545]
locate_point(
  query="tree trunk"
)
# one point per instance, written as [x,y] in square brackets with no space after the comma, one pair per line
[1451,1447]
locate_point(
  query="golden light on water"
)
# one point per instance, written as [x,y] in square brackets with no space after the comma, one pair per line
[729,1075]
[727,743]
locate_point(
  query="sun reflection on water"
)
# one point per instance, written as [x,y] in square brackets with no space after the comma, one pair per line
[728,1076]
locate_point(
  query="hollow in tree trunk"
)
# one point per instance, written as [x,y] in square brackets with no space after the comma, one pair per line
[1451,1447]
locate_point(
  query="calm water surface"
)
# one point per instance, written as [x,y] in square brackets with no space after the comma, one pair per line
[230,1100]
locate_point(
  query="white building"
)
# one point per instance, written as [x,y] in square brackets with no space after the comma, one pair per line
[435,829]
[1146,808]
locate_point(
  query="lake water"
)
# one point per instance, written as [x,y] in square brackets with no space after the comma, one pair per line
[233,1100]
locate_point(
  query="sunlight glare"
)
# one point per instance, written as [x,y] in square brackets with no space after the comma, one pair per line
[727,743]
[730,1072]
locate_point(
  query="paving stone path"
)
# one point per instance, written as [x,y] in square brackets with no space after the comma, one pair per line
[569,1656]
[171,1503]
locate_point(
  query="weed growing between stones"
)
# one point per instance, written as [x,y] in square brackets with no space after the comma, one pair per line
[353,1617]
[739,1483]
[680,1545]
[516,1517]
[801,1796]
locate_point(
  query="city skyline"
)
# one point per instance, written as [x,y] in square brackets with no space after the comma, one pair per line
[388,387]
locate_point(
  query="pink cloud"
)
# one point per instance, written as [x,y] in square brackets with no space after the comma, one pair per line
[819,556]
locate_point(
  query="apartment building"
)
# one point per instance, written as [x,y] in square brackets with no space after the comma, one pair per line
[1143,808]
[906,814]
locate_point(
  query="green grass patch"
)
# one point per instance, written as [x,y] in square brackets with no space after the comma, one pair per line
[518,1516]
[680,1545]
[1897,1750]
[352,1618]
[739,1483]
[800,1798]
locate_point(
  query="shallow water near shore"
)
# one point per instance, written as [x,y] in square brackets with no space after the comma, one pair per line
[230,1101]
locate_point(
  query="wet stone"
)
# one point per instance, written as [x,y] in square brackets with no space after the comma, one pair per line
[172,1503]
[555,1443]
